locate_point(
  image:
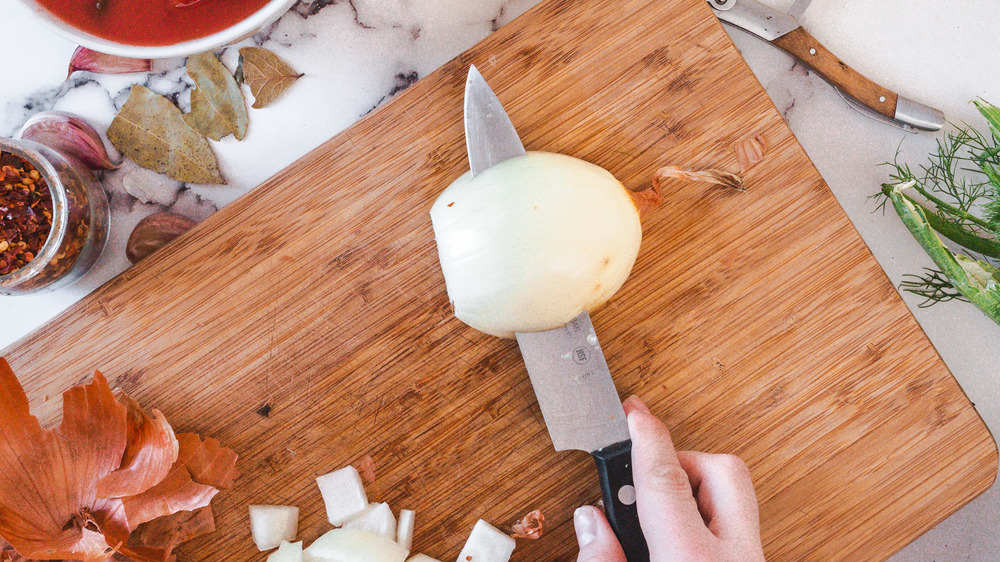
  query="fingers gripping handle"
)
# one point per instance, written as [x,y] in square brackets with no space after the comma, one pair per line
[614,467]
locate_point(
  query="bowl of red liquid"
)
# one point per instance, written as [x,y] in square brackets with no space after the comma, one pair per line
[156,28]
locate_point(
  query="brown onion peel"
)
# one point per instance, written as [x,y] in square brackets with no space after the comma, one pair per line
[712,176]
[149,454]
[48,492]
[177,492]
[49,502]
[531,526]
[650,196]
[209,462]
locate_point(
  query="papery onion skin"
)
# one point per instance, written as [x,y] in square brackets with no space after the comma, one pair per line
[528,244]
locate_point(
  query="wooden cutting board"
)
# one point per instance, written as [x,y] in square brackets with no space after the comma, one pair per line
[756,323]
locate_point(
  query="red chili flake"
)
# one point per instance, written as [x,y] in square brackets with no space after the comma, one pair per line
[25,213]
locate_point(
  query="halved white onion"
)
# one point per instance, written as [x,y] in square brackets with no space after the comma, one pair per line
[531,242]
[287,552]
[421,558]
[353,545]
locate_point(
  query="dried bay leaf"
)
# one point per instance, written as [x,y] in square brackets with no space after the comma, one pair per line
[265,73]
[151,131]
[217,105]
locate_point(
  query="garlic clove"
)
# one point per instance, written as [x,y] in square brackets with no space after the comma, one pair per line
[92,61]
[71,135]
[155,232]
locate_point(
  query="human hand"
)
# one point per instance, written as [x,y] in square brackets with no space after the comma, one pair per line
[692,506]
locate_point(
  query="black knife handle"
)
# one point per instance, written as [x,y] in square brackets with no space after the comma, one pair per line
[614,467]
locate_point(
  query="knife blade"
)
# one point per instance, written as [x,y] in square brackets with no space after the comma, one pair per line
[582,411]
[572,382]
[785,32]
[490,137]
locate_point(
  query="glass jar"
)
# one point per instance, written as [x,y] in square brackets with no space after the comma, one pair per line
[80,221]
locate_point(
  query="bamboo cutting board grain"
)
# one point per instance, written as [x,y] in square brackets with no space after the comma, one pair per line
[756,323]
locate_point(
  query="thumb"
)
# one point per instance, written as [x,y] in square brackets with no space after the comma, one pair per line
[597,541]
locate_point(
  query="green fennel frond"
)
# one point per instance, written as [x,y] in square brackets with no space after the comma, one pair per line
[933,285]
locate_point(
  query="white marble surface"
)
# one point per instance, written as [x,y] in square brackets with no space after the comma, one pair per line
[357,54]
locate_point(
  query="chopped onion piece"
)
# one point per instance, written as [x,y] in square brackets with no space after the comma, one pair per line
[376,518]
[343,494]
[487,544]
[272,524]
[404,531]
[422,558]
[353,545]
[287,552]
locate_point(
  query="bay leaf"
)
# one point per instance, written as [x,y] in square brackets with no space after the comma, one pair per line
[265,73]
[151,131]
[217,105]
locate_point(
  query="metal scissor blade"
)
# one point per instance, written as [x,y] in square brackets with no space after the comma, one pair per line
[490,137]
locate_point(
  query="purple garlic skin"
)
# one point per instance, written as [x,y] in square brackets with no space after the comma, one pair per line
[100,63]
[70,135]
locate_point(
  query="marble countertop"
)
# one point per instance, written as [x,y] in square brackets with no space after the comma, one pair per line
[357,54]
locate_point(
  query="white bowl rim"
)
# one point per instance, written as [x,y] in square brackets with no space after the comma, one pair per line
[241,30]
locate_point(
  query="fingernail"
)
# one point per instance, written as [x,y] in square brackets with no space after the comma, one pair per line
[585,524]
[634,403]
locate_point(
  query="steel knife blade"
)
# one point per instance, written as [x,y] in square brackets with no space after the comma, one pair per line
[567,368]
[785,32]
[490,137]
[574,387]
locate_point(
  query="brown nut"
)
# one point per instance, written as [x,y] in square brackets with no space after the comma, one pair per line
[155,232]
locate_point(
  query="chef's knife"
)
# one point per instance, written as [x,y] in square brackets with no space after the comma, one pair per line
[571,379]
[785,32]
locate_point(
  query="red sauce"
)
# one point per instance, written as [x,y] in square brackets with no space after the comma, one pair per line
[152,22]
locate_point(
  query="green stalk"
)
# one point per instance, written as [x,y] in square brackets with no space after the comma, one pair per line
[985,246]
[950,209]
[977,280]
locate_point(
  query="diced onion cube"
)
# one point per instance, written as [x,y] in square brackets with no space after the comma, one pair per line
[487,544]
[343,494]
[422,558]
[404,530]
[376,518]
[271,524]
